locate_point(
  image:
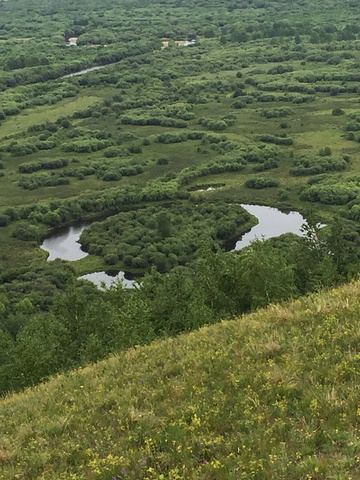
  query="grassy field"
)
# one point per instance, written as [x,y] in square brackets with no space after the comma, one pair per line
[270,395]
[18,125]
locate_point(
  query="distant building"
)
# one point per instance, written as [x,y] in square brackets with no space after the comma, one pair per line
[185,43]
[178,43]
[71,42]
[189,43]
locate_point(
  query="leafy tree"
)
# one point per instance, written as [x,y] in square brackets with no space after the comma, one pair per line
[41,350]
[266,276]
[163,225]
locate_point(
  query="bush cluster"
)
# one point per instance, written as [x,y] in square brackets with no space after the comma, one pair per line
[317,165]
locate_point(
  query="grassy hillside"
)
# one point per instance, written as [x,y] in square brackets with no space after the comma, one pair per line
[272,395]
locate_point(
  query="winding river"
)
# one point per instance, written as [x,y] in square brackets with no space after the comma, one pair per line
[272,223]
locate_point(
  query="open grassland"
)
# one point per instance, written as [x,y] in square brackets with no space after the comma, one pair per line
[17,126]
[270,395]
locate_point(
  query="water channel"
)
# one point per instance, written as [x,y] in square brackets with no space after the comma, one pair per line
[87,70]
[272,222]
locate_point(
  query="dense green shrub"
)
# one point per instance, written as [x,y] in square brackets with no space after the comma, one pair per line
[162,237]
[279,112]
[27,232]
[331,194]
[280,69]
[44,164]
[86,145]
[112,152]
[266,165]
[277,140]
[170,138]
[34,182]
[162,161]
[212,124]
[20,149]
[160,121]
[317,165]
[337,111]
[4,220]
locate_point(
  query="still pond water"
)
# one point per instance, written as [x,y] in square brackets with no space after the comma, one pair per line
[272,223]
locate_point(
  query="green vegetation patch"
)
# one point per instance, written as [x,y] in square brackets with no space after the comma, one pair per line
[164,237]
[318,164]
[44,164]
[332,191]
[261,182]
[277,112]
[42,180]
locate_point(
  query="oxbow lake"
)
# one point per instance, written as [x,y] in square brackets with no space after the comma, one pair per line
[64,244]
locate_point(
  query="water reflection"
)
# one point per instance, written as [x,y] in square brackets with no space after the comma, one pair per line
[86,70]
[64,243]
[101,279]
[272,223]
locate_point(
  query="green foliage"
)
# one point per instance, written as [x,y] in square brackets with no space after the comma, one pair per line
[162,161]
[44,164]
[4,220]
[162,237]
[213,286]
[266,165]
[27,232]
[331,193]
[67,211]
[116,169]
[42,180]
[158,190]
[280,69]
[325,152]
[317,165]
[261,182]
[85,146]
[163,225]
[170,138]
[277,112]
[160,121]
[336,112]
[276,139]
[275,278]
[214,125]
